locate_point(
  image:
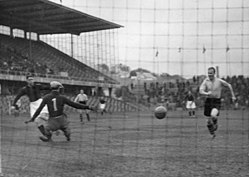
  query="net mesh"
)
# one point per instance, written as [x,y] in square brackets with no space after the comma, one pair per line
[175,39]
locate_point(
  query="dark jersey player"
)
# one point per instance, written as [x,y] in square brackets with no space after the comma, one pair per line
[57,118]
[33,91]
[102,105]
[190,104]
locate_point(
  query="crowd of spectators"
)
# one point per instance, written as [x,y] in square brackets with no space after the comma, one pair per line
[175,92]
[14,62]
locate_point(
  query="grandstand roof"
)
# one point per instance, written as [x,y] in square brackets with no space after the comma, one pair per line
[46,17]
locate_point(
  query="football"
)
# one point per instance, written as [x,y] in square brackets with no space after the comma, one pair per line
[160,112]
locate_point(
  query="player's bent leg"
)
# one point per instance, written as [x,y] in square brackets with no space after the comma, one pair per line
[47,134]
[64,126]
[41,123]
[214,115]
[52,125]
[193,113]
[67,132]
[42,129]
[210,126]
[189,112]
[214,112]
[46,139]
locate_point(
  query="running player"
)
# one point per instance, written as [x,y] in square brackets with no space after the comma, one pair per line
[57,118]
[33,91]
[82,99]
[211,87]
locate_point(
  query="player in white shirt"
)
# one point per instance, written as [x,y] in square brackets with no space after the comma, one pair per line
[82,98]
[211,87]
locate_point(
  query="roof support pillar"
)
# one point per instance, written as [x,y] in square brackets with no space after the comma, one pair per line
[11,31]
[72,45]
[25,34]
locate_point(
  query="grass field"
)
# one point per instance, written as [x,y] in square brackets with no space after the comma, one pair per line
[129,144]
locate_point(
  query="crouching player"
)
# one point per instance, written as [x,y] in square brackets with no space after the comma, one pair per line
[57,118]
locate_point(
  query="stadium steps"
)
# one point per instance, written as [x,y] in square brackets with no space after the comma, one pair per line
[43,54]
[113,105]
[79,67]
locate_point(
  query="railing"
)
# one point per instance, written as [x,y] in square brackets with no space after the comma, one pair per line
[22,73]
[8,74]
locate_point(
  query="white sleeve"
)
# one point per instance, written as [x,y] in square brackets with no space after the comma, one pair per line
[202,89]
[76,99]
[224,83]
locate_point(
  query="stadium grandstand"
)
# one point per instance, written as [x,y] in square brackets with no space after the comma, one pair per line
[24,52]
[160,57]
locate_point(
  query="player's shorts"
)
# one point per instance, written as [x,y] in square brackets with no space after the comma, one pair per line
[43,116]
[211,103]
[102,106]
[82,102]
[81,111]
[190,105]
[58,123]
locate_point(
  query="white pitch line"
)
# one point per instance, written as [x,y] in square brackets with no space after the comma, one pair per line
[25,166]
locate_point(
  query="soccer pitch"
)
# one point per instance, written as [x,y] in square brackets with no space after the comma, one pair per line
[129,144]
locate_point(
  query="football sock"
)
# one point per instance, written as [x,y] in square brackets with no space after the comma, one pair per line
[215,121]
[42,130]
[210,128]
[88,117]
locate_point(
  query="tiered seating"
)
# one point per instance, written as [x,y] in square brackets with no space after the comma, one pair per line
[13,62]
[112,105]
[43,54]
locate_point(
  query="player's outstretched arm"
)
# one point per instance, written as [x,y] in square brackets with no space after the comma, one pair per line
[230,88]
[76,105]
[43,86]
[76,99]
[18,96]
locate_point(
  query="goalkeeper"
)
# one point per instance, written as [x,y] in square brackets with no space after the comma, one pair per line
[57,118]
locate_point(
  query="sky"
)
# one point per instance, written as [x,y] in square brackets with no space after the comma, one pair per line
[182,37]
